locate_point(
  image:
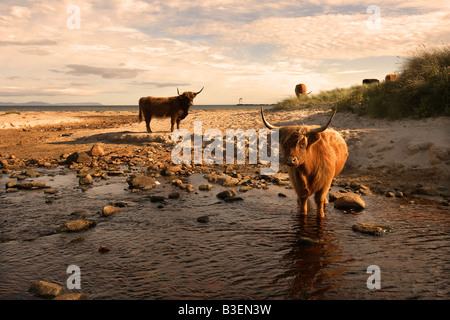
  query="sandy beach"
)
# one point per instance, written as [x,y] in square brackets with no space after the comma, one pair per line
[384,154]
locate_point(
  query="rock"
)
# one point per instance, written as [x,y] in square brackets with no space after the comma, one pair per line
[188,187]
[371,228]
[115,173]
[203,219]
[349,201]
[227,181]
[77,225]
[399,194]
[45,289]
[245,188]
[226,194]
[233,199]
[109,210]
[336,195]
[389,194]
[205,187]
[72,296]
[177,182]
[364,190]
[174,195]
[104,249]
[51,191]
[157,198]
[97,151]
[26,185]
[30,173]
[171,170]
[141,181]
[87,179]
[282,195]
[78,157]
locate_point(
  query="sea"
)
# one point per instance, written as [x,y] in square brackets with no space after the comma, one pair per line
[6,108]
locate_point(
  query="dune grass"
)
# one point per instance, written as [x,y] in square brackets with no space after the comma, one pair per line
[422,90]
[12,112]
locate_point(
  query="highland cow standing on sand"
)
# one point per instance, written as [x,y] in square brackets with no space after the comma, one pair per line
[176,108]
[315,155]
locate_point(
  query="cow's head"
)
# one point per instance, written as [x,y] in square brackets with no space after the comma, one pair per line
[187,99]
[296,141]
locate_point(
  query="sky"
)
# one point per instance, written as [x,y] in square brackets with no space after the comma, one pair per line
[114,52]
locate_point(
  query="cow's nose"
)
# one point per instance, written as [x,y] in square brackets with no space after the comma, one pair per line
[292,161]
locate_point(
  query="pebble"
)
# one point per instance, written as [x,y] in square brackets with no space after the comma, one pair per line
[226,194]
[109,210]
[87,179]
[44,289]
[97,151]
[203,219]
[371,228]
[77,225]
[104,249]
[245,188]
[205,187]
[349,201]
[174,195]
[72,296]
[141,181]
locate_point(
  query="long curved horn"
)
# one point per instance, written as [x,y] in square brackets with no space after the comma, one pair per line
[267,124]
[178,92]
[199,91]
[324,127]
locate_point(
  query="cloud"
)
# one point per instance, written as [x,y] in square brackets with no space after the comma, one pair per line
[256,49]
[159,84]
[44,42]
[107,73]
[34,92]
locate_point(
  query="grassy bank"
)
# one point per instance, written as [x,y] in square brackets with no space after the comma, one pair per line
[422,90]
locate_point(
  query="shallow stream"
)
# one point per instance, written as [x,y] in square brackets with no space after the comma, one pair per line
[258,248]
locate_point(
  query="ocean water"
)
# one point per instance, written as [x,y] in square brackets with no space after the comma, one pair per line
[119,107]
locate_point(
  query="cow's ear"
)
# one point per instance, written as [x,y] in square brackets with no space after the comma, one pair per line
[313,138]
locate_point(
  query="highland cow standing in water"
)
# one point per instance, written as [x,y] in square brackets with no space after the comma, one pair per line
[315,155]
[176,108]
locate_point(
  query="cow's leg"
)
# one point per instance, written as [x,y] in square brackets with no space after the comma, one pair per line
[178,123]
[303,205]
[172,123]
[321,200]
[147,123]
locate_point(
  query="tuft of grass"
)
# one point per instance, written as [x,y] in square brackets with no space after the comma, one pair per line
[323,98]
[12,112]
[422,90]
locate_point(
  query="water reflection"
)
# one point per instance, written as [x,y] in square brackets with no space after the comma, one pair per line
[310,262]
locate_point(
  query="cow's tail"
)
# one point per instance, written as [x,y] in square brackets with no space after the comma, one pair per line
[140,110]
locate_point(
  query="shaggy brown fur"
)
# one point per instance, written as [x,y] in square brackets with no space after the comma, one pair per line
[314,159]
[176,108]
[300,89]
[391,77]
